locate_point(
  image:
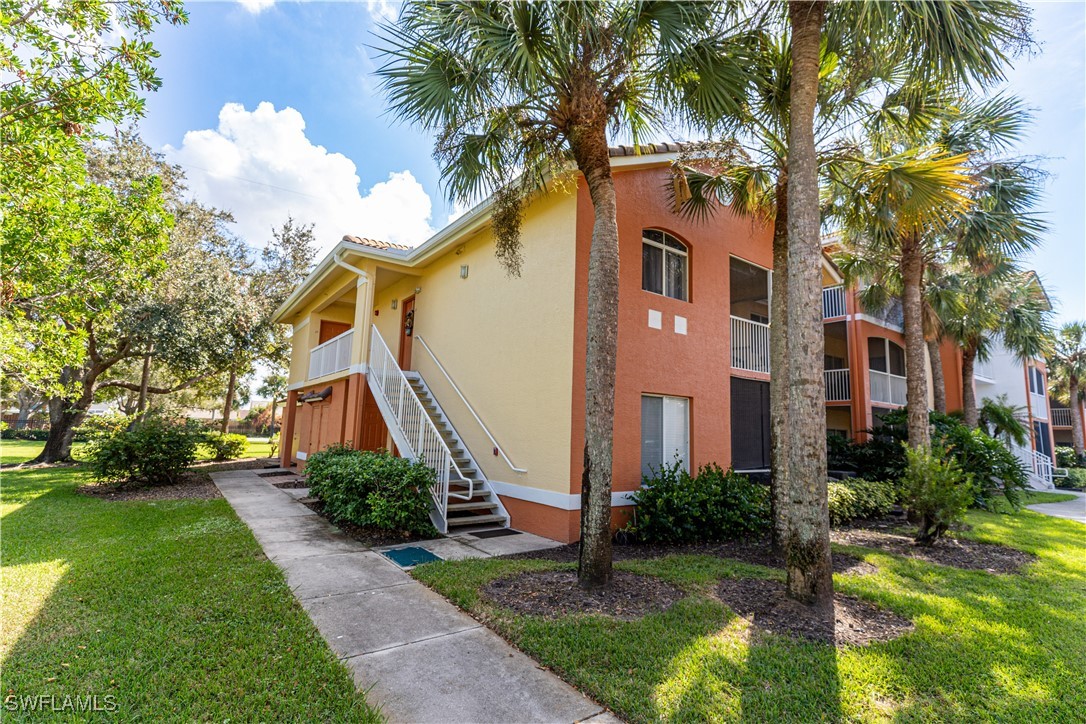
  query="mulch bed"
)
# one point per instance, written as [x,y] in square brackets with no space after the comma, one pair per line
[956,552]
[295,484]
[758,552]
[853,621]
[193,486]
[371,537]
[556,593]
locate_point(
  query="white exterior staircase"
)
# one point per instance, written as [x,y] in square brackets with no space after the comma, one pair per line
[462,497]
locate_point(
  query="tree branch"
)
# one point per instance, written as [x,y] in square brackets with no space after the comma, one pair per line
[125,385]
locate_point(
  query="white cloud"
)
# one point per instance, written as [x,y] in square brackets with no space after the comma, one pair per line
[256,6]
[383,10]
[260,166]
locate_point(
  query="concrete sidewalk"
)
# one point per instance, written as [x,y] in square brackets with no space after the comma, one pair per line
[418,657]
[1071,509]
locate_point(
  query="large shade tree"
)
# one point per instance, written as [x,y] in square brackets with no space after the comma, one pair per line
[518,93]
[68,68]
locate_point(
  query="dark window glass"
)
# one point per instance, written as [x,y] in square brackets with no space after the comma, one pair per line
[663,265]
[897,360]
[876,353]
[652,262]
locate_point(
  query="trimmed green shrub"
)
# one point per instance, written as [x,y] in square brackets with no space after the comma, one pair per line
[856,498]
[24,434]
[676,507]
[372,489]
[936,491]
[1066,458]
[1075,480]
[995,469]
[227,446]
[154,451]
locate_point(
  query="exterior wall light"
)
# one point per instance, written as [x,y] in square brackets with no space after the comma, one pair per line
[395,303]
[463,271]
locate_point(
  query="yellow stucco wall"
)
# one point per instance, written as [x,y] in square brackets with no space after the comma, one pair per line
[507,343]
[307,322]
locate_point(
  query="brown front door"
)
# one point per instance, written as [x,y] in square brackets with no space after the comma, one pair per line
[331,330]
[407,325]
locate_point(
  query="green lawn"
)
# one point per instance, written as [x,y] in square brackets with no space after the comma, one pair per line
[169,607]
[986,647]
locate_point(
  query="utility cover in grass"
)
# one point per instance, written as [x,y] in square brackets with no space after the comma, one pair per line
[410,556]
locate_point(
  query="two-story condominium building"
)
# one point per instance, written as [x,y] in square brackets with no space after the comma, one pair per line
[436,352]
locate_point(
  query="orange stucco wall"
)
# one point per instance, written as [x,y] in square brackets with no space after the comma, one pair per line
[316,425]
[660,361]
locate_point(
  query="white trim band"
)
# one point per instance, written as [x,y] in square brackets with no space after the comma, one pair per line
[551,498]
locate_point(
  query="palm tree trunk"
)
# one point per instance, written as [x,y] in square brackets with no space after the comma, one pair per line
[971,415]
[593,159]
[916,384]
[231,386]
[778,361]
[938,382]
[805,523]
[1076,419]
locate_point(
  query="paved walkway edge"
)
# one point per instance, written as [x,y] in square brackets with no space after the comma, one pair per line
[418,657]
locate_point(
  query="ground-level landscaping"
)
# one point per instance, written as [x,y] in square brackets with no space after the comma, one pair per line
[162,609]
[982,645]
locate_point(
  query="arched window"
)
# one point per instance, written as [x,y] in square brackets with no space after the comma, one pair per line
[663,264]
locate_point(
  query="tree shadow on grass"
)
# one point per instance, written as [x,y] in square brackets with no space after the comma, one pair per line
[169,607]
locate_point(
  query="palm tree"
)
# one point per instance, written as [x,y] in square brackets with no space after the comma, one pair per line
[519,92]
[1005,306]
[748,173]
[1067,363]
[274,388]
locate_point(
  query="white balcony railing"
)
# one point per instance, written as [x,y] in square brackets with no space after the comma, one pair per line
[750,345]
[332,356]
[833,302]
[887,388]
[837,387]
[1038,405]
[1061,417]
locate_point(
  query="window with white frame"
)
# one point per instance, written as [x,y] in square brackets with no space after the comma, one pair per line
[1036,381]
[663,264]
[665,432]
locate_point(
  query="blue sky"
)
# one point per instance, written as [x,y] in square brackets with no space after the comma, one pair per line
[272,108]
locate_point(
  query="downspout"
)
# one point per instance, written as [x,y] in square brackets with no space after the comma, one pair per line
[349,267]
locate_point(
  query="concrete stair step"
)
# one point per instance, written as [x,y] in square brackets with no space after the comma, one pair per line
[480,505]
[475,520]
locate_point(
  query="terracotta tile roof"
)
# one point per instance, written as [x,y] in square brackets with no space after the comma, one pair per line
[645,149]
[375,244]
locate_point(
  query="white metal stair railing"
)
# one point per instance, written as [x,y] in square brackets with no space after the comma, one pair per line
[1061,417]
[1042,466]
[1038,465]
[412,429]
[474,414]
